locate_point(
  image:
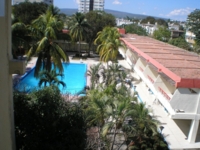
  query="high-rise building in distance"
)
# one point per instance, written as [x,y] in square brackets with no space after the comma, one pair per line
[44,1]
[88,5]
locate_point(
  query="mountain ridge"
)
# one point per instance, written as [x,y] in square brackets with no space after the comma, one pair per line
[117,14]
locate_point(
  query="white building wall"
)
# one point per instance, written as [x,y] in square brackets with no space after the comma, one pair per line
[150,74]
[140,64]
[120,22]
[190,37]
[172,99]
[165,86]
[84,5]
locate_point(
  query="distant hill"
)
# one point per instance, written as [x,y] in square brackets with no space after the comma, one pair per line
[117,14]
[68,11]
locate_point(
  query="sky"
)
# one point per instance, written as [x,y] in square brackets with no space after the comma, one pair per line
[172,9]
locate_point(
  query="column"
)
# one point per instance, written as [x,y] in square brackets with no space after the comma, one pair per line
[193,131]
[6,101]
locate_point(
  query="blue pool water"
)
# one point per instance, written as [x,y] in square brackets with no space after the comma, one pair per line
[74,78]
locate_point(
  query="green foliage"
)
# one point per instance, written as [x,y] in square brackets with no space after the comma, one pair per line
[152,20]
[196,48]
[112,108]
[93,72]
[180,42]
[45,30]
[144,135]
[97,20]
[162,22]
[43,120]
[162,34]
[20,39]
[149,19]
[148,142]
[50,78]
[114,74]
[193,24]
[135,29]
[79,28]
[109,43]
[25,12]
[107,108]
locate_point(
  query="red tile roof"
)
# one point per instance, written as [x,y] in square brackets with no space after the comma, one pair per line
[180,65]
[65,31]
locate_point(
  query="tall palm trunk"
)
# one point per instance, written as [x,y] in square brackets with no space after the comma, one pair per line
[115,133]
[79,47]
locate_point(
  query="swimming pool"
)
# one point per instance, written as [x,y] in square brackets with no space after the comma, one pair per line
[74,78]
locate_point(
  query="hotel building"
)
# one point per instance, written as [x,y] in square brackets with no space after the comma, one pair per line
[89,5]
[172,75]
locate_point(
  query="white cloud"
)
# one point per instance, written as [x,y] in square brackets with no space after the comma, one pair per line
[77,1]
[144,13]
[180,12]
[117,2]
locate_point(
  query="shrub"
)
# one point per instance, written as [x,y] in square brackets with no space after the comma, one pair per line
[44,121]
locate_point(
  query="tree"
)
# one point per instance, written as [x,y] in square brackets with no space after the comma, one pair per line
[152,20]
[107,109]
[193,24]
[149,19]
[109,44]
[135,29]
[113,74]
[180,42]
[78,29]
[94,73]
[162,22]
[162,34]
[45,28]
[20,40]
[97,20]
[50,78]
[114,111]
[118,112]
[43,120]
[26,12]
[144,135]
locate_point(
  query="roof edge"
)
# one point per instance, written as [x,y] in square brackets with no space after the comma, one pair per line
[188,83]
[160,67]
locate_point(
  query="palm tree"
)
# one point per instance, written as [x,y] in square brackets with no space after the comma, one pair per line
[109,44]
[114,74]
[106,33]
[45,29]
[19,36]
[50,78]
[145,131]
[119,112]
[79,28]
[108,108]
[94,73]
[94,107]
